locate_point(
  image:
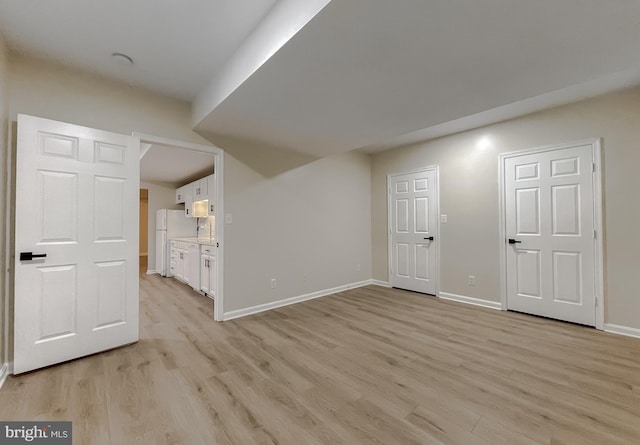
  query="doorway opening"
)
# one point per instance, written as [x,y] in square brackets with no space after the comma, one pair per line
[165,166]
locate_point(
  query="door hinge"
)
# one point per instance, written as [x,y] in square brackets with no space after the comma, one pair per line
[596,301]
[595,234]
[593,166]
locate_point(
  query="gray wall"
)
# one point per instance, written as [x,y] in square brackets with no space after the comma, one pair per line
[469,195]
[308,227]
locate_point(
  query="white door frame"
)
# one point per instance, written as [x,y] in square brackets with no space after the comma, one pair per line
[436,170]
[218,314]
[598,241]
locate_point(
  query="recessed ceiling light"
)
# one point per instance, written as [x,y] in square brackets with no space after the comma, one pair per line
[122,59]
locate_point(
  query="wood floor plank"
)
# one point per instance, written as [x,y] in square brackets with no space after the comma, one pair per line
[369,365]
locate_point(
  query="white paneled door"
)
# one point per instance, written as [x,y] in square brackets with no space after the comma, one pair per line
[413,226]
[550,230]
[76,242]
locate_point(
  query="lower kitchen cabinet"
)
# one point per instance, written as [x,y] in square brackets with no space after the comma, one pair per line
[192,271]
[208,270]
[179,261]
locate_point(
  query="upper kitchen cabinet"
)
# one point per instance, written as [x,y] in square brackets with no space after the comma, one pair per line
[199,189]
[204,202]
[198,197]
[183,193]
[211,192]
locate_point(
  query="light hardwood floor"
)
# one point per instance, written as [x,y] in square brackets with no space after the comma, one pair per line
[367,366]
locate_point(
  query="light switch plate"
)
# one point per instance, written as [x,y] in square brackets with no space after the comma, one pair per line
[443,218]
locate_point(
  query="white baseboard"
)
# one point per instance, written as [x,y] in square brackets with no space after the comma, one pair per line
[380,283]
[4,373]
[622,330]
[471,300]
[293,300]
[151,272]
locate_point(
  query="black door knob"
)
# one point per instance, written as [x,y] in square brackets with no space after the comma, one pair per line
[512,241]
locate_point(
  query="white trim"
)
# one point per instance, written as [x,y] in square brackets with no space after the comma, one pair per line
[151,272]
[470,300]
[144,148]
[380,283]
[436,170]
[4,373]
[9,206]
[598,225]
[502,233]
[597,221]
[622,330]
[293,300]
[218,314]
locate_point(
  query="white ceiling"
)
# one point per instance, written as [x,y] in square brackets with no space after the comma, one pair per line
[369,75]
[176,45]
[174,167]
[366,73]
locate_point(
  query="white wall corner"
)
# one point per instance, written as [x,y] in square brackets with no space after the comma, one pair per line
[622,330]
[471,300]
[380,283]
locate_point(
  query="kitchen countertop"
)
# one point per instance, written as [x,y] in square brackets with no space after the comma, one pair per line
[205,241]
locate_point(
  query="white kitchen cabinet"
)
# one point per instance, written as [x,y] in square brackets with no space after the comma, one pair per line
[211,195]
[182,193]
[203,192]
[192,271]
[188,207]
[199,189]
[179,261]
[184,196]
[173,259]
[208,271]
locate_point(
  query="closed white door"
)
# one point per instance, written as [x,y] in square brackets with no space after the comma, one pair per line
[549,208]
[76,242]
[413,227]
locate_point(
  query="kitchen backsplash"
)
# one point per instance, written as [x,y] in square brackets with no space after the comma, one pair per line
[207,227]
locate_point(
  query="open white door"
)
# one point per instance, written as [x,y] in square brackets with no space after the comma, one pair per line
[413,209]
[76,203]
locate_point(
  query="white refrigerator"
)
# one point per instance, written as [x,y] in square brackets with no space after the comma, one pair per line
[170,224]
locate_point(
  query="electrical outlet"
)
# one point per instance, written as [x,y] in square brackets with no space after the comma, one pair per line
[472,280]
[443,218]
[357,268]
[273,283]
[228,218]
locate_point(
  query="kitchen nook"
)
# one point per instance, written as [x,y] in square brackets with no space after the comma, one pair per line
[185,239]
